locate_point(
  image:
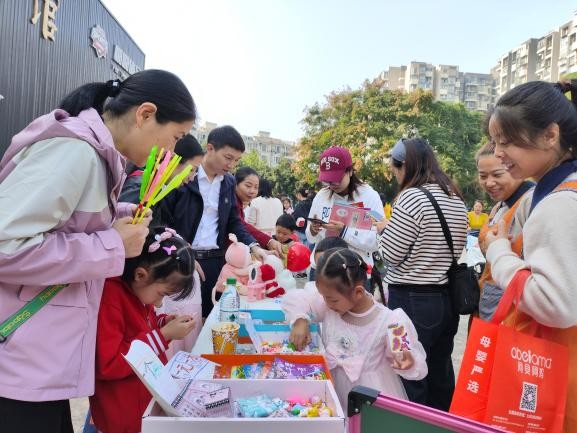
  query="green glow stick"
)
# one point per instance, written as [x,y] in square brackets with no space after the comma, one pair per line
[147,171]
[153,173]
[173,184]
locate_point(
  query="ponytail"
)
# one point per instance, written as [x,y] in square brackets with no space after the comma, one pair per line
[568,86]
[161,88]
[92,95]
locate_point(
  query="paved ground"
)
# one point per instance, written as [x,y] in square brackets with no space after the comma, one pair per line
[80,406]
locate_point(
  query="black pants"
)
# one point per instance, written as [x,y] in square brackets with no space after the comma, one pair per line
[35,417]
[429,308]
[211,268]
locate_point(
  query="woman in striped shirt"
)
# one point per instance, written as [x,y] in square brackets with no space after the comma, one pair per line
[414,244]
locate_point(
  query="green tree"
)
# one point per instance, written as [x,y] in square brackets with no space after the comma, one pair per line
[252,159]
[282,176]
[369,120]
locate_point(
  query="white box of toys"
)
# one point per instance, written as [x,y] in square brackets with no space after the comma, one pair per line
[247,397]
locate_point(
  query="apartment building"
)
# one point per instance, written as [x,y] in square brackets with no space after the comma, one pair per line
[548,58]
[447,83]
[567,61]
[547,67]
[419,75]
[271,150]
[517,66]
[477,91]
[394,77]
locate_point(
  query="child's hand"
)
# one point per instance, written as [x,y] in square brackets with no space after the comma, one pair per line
[169,317]
[178,328]
[300,334]
[403,360]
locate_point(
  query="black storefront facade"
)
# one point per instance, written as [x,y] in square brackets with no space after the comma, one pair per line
[50,47]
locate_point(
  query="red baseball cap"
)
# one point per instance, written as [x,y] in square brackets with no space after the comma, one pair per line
[334,162]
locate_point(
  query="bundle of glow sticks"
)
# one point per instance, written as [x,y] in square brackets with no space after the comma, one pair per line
[159,167]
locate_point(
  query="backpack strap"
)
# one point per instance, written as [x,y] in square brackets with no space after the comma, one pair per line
[444,225]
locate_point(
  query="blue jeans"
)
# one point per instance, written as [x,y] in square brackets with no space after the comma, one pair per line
[429,308]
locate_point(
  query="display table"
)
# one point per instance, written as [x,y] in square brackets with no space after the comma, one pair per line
[204,342]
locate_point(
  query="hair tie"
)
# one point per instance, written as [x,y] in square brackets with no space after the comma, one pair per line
[113,87]
[159,238]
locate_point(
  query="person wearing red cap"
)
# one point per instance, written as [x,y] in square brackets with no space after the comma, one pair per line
[341,184]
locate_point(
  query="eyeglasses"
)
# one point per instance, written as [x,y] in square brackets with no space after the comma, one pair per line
[331,183]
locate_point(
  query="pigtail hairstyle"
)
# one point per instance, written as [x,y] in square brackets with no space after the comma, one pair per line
[161,88]
[527,110]
[344,267]
[164,253]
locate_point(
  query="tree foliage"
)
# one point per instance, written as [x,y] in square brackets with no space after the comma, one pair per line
[282,176]
[369,121]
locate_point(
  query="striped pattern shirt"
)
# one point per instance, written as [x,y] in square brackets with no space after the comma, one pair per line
[413,242]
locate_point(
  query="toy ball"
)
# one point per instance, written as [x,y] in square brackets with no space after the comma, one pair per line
[313,412]
[298,257]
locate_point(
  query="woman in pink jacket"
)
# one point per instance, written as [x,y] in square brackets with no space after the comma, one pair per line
[60,223]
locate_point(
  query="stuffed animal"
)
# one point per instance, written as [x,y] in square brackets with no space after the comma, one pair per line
[271,288]
[255,285]
[238,261]
[269,279]
[286,280]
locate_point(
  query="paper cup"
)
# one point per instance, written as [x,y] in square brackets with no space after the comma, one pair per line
[225,337]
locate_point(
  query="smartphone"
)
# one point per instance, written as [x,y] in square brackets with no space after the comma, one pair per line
[316,220]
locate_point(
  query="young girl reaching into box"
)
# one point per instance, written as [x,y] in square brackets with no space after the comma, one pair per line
[165,267]
[365,342]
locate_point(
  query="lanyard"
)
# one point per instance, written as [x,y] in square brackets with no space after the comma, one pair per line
[23,314]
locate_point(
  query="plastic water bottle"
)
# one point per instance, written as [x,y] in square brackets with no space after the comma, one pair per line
[229,303]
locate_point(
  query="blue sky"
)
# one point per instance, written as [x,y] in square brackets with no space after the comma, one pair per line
[256,64]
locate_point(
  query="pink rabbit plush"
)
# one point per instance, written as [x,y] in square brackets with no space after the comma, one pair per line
[238,261]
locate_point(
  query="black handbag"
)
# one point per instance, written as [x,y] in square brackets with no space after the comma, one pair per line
[464,288]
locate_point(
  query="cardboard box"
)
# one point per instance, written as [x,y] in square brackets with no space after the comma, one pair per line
[155,421]
[279,334]
[233,360]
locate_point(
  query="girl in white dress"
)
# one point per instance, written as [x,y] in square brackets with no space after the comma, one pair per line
[365,342]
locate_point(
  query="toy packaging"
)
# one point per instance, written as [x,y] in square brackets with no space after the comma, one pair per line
[276,369]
